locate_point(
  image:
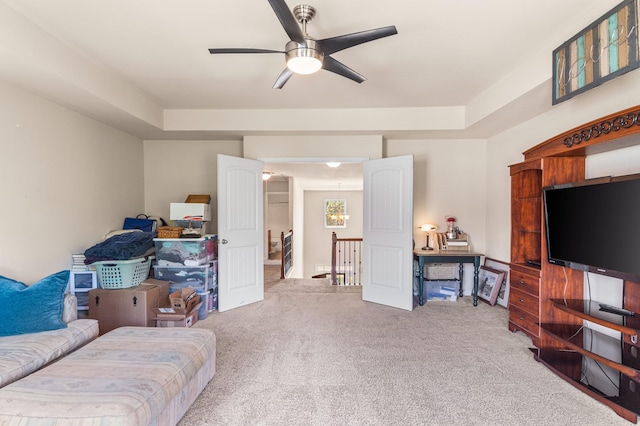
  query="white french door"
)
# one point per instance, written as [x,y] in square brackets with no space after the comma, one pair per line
[240,232]
[388,235]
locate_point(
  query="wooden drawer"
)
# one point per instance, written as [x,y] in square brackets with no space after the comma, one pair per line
[524,301]
[526,283]
[524,320]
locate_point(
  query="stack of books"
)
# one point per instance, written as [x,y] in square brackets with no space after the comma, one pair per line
[459,244]
[77,263]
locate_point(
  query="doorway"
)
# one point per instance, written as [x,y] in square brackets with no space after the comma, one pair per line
[310,178]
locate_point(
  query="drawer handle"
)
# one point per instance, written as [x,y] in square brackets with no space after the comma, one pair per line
[521,282]
[521,318]
[521,300]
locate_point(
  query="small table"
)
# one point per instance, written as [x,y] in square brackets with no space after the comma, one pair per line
[444,256]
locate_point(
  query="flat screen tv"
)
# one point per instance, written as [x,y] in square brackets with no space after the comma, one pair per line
[595,226]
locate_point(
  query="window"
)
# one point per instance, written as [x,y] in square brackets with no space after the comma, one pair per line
[335,213]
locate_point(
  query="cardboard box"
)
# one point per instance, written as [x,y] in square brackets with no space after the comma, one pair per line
[184,298]
[133,306]
[163,289]
[170,317]
[198,198]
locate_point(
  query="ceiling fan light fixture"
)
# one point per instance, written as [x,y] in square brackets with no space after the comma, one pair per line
[304,59]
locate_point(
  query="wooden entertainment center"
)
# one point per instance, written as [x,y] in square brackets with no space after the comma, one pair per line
[546,301]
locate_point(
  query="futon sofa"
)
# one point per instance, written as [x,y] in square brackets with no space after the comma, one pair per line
[54,370]
[21,355]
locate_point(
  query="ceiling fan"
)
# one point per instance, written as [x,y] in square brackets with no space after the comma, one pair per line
[306,55]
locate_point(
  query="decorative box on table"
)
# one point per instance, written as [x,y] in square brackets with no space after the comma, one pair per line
[441,271]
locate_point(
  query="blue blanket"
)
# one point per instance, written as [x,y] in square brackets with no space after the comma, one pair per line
[121,247]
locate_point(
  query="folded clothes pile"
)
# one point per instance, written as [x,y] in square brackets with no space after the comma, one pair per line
[121,247]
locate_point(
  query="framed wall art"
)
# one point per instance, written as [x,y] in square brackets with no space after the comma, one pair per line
[602,51]
[503,293]
[335,213]
[489,282]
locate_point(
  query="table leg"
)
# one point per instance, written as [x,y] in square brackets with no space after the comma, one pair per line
[461,268]
[421,281]
[476,268]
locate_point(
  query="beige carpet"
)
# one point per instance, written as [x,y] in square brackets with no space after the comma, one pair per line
[313,354]
[272,272]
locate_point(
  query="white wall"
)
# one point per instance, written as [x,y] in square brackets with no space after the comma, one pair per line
[506,148]
[297,219]
[449,179]
[282,147]
[175,169]
[317,242]
[65,181]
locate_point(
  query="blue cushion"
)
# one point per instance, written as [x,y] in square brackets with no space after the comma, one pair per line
[30,309]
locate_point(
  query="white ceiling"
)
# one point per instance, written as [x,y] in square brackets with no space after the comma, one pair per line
[313,176]
[446,54]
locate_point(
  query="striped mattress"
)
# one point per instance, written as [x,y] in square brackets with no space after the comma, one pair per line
[23,354]
[129,376]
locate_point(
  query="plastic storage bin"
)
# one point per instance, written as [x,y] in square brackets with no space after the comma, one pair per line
[122,273]
[185,251]
[198,277]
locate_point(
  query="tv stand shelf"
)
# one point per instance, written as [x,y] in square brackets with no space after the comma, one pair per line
[590,311]
[572,336]
[561,364]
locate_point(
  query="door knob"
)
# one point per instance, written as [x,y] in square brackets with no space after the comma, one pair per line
[223,241]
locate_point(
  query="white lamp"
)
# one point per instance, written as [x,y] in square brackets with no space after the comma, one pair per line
[427,229]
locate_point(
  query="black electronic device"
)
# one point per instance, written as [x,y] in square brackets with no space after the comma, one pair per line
[615,310]
[595,226]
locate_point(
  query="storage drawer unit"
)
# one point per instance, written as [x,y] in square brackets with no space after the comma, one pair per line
[524,321]
[202,278]
[198,277]
[185,251]
[524,301]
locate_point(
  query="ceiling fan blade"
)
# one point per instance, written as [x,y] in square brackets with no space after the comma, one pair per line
[339,68]
[242,50]
[336,44]
[287,20]
[284,76]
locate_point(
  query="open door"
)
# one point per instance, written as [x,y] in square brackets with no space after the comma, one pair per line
[240,232]
[388,235]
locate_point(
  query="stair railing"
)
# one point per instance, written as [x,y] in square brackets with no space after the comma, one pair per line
[346,260]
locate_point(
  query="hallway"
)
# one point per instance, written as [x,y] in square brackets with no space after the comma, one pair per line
[271,272]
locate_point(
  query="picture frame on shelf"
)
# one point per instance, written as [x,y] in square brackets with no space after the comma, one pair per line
[503,294]
[489,282]
[80,281]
